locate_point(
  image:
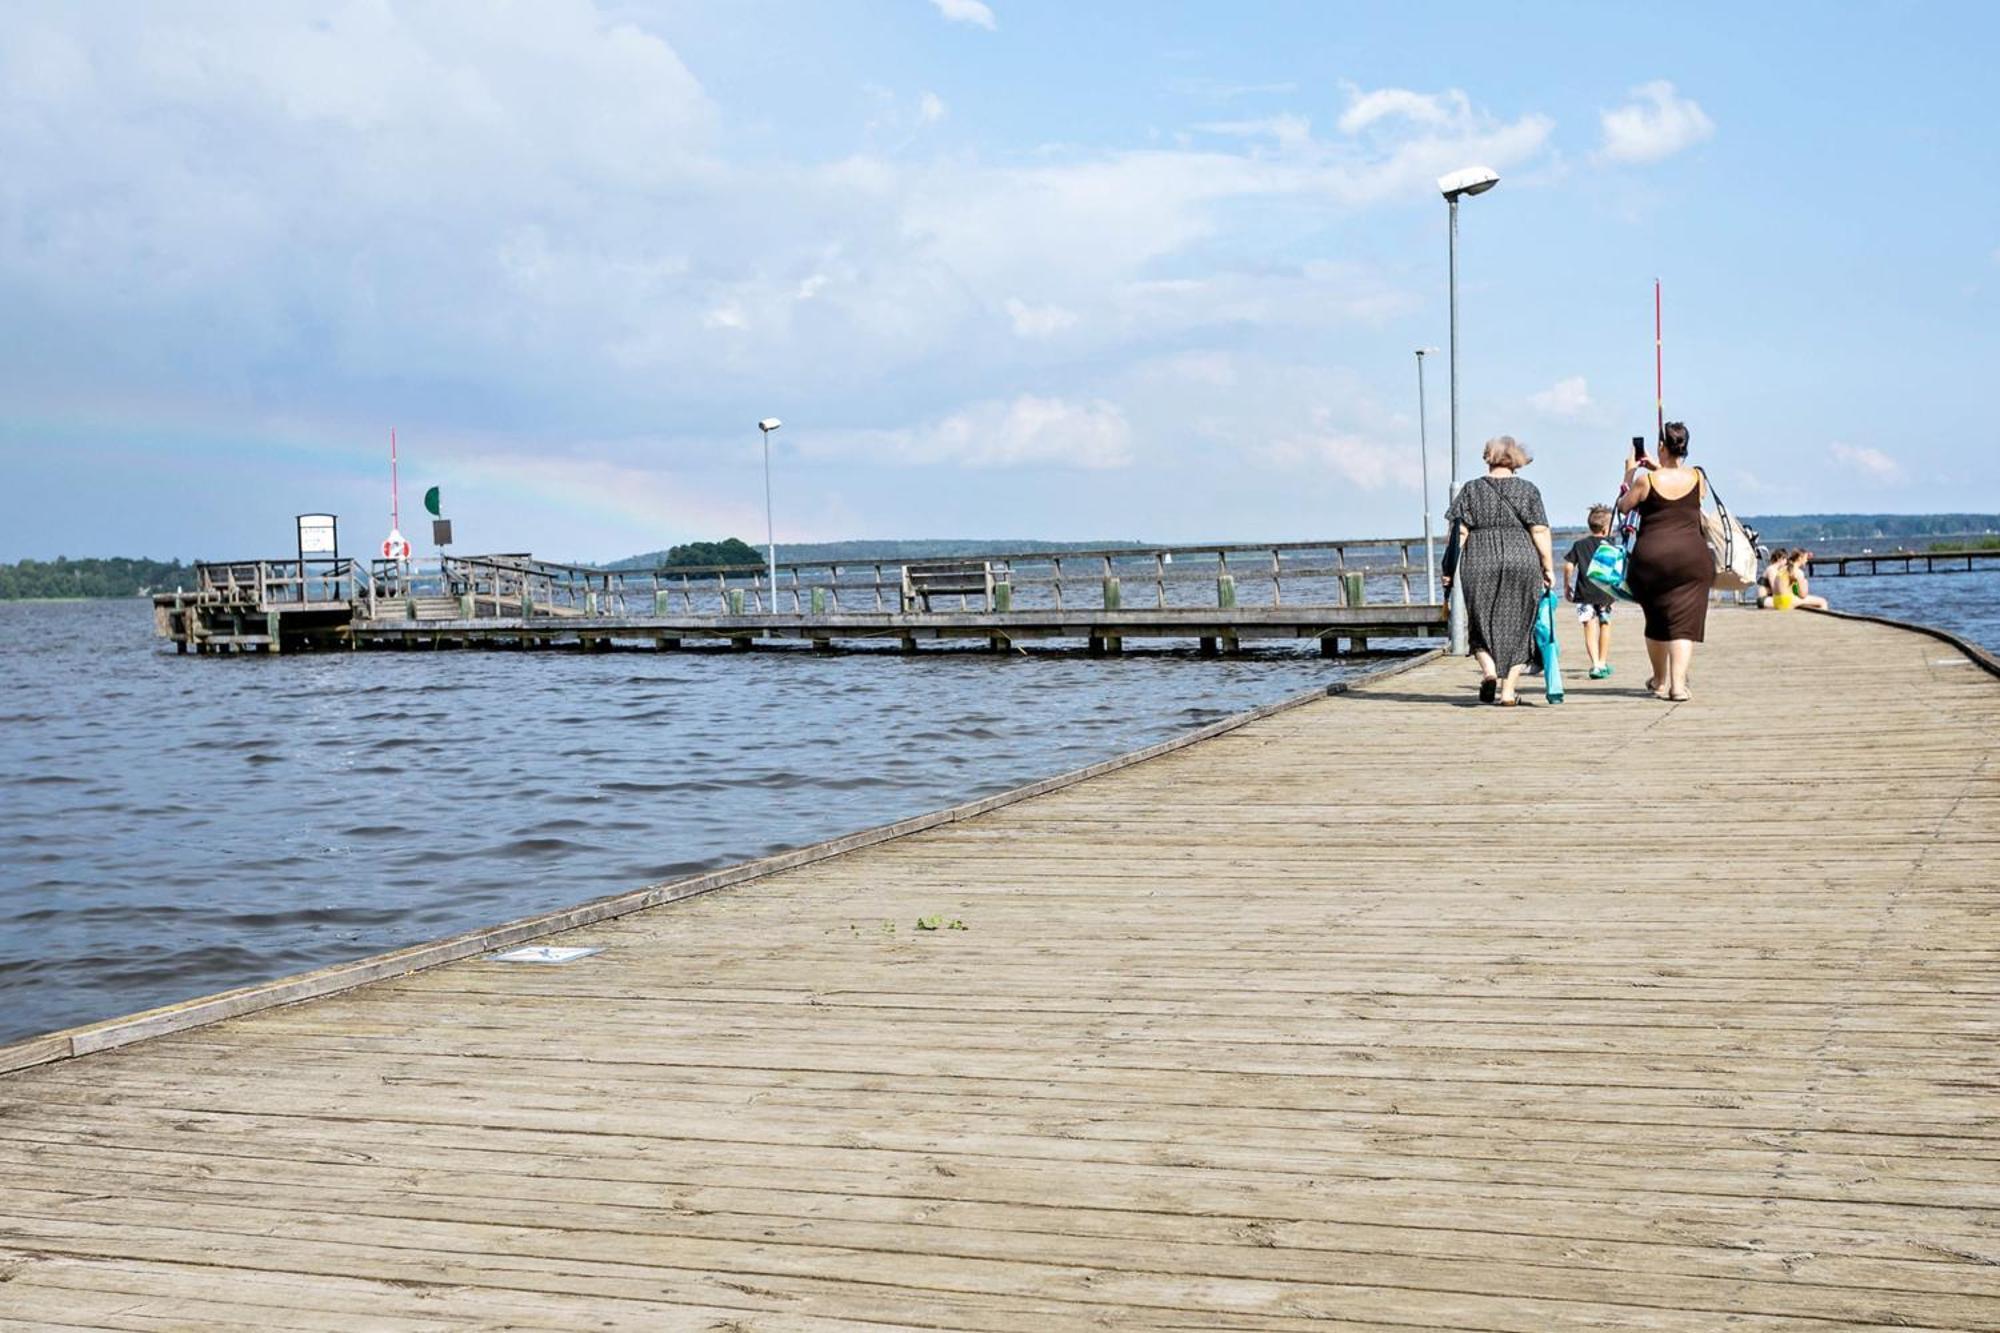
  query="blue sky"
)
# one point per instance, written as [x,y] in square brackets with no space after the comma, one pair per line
[1006,269]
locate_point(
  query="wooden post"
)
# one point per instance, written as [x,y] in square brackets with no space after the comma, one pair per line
[909,643]
[1003,597]
[819,601]
[1055,578]
[1207,648]
[1160,579]
[1329,645]
[1353,589]
[1275,576]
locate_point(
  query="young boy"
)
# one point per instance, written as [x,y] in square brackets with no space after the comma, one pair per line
[1593,604]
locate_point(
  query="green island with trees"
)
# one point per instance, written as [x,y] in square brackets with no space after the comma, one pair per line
[66,579]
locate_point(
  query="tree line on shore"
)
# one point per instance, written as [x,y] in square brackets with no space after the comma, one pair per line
[116,576]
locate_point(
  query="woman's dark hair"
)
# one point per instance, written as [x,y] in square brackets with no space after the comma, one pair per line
[1674,439]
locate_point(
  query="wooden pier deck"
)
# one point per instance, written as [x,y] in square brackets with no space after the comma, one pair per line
[1384,1012]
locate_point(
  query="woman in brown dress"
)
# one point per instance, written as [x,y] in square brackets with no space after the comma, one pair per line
[1672,571]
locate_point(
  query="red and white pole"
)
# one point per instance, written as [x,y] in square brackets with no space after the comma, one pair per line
[1659,381]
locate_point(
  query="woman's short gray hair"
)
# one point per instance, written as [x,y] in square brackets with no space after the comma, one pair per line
[1506,451]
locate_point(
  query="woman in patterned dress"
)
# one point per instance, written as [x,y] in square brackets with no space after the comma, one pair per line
[1504,565]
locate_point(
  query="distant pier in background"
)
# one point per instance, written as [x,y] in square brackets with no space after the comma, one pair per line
[1339,594]
[1906,562]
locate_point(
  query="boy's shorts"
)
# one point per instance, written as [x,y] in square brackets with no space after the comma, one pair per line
[1585,613]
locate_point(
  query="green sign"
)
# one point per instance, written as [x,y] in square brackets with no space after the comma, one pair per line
[431,502]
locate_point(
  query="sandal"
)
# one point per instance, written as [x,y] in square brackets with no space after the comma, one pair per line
[1487,689]
[1680,698]
[1510,703]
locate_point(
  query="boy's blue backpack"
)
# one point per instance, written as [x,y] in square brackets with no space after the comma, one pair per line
[1609,564]
[1547,619]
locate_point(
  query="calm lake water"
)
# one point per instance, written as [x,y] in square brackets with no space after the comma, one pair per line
[171,826]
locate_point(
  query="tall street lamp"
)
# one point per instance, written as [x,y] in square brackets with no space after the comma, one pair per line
[1468,181]
[767,425]
[1424,457]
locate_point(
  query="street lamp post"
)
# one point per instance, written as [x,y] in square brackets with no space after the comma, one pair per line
[1424,458]
[1459,184]
[767,425]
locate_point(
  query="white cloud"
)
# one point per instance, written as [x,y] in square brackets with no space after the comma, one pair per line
[1027,431]
[1042,321]
[1869,463]
[1288,132]
[966,11]
[729,317]
[1656,124]
[1223,91]
[1564,398]
[1360,460]
[1366,108]
[931,109]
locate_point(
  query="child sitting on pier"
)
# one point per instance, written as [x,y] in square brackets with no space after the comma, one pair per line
[1786,585]
[1593,604]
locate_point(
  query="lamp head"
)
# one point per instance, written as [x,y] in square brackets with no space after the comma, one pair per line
[1426,351]
[1469,180]
[769,424]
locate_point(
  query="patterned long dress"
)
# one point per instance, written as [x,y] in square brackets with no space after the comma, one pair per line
[1499,569]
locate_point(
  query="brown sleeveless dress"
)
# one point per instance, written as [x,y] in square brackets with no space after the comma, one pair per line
[1672,571]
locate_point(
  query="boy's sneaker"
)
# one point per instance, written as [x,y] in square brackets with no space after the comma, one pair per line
[1599,673]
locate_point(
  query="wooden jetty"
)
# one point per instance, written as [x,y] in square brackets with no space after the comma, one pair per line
[1379,1012]
[1906,562]
[1217,596]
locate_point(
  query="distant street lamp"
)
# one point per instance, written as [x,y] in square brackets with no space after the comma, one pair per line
[1462,183]
[1424,458]
[767,425]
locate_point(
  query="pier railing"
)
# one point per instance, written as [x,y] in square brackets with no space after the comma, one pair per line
[316,580]
[1337,573]
[1905,562]
[1215,575]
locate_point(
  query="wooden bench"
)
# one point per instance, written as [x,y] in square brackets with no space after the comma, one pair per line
[949,578]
